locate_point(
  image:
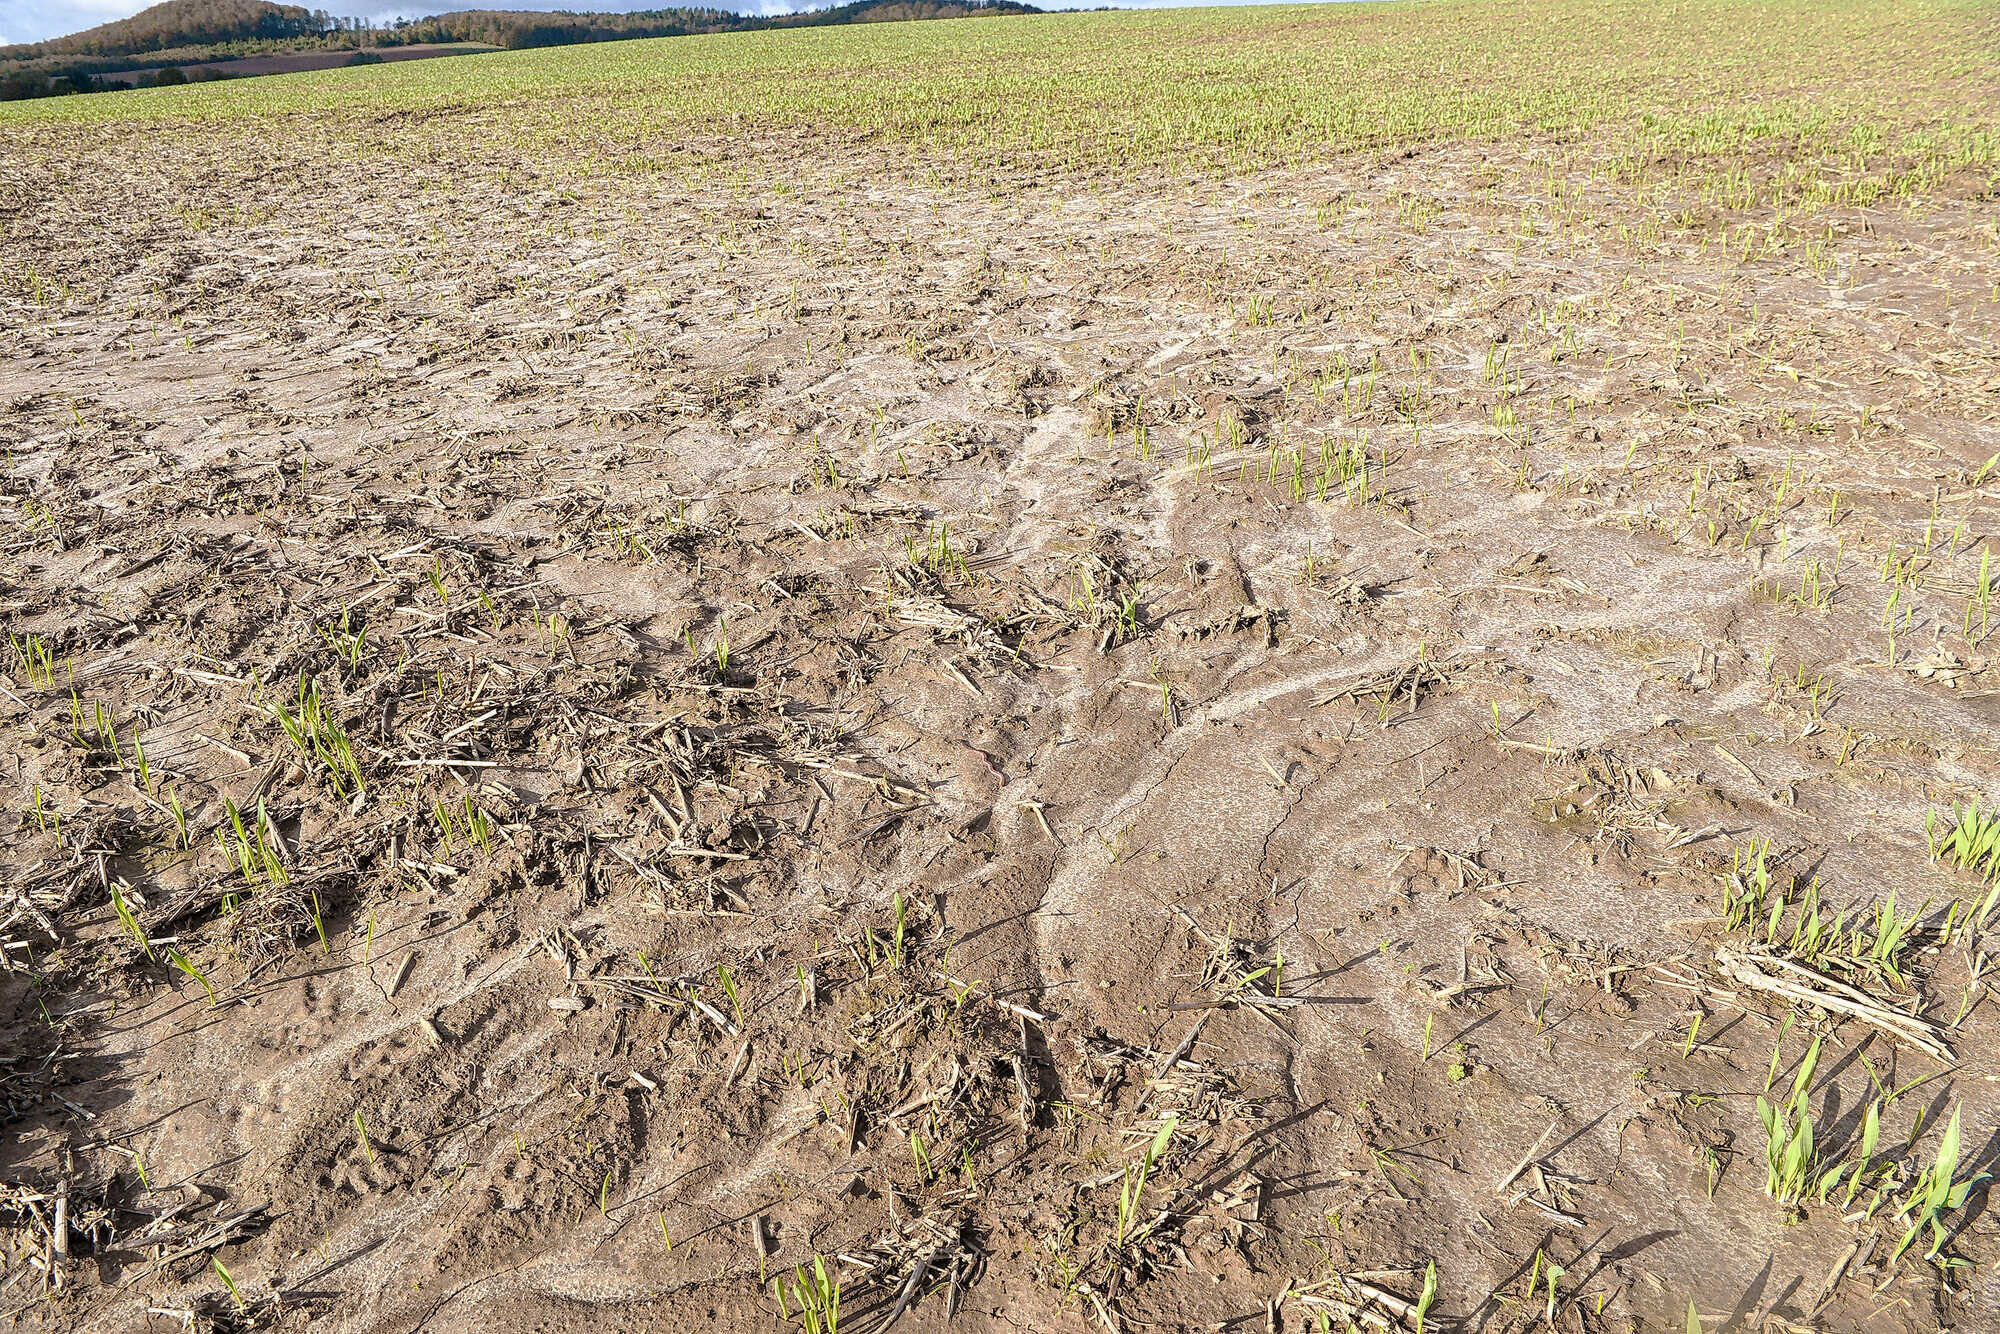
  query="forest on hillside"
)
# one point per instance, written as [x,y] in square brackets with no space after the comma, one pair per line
[175,41]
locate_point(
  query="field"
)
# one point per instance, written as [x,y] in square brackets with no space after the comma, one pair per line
[1259,669]
[284,62]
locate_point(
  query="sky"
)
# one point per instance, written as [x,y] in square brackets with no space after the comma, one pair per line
[38,20]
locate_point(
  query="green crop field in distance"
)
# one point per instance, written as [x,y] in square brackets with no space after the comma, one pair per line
[1909,84]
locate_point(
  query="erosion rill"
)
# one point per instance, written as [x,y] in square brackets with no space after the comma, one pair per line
[1273,668]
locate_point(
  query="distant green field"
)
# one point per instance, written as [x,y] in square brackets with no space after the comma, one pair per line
[1911,83]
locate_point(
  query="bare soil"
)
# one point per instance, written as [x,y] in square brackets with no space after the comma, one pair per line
[933,730]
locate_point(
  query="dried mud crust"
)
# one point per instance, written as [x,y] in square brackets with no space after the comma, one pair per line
[654,727]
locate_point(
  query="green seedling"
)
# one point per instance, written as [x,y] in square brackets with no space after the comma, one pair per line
[814,1297]
[1789,1135]
[1973,843]
[319,738]
[182,839]
[186,965]
[1854,1171]
[129,920]
[1136,1176]
[254,853]
[728,980]
[1936,1193]
[222,1272]
[34,660]
[349,645]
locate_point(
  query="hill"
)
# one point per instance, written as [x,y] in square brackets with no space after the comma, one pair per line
[214,35]
[178,23]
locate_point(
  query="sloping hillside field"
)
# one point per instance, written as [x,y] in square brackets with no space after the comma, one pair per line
[1271,669]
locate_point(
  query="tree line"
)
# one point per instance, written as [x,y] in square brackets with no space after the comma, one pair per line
[162,39]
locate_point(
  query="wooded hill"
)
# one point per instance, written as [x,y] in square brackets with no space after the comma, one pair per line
[196,32]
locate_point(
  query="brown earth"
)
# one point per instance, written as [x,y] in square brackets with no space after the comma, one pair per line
[932,729]
[288,62]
